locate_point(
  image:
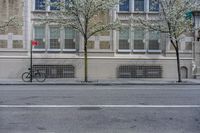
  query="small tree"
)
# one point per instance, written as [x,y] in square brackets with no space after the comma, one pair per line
[174,19]
[83,16]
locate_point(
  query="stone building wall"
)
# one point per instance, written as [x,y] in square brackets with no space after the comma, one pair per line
[10,8]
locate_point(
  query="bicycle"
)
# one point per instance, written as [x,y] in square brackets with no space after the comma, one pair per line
[40,77]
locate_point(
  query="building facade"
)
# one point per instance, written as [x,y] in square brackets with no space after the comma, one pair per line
[130,53]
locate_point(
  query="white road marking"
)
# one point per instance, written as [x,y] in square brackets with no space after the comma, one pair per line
[100,106]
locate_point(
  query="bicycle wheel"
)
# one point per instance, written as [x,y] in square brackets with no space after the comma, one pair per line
[40,77]
[26,77]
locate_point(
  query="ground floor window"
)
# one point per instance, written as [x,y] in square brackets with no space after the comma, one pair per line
[56,71]
[137,71]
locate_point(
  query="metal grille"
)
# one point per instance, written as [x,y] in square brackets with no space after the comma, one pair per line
[135,71]
[56,71]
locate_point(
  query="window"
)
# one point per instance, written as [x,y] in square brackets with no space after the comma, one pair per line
[55,5]
[124,5]
[39,36]
[154,5]
[69,38]
[124,38]
[39,4]
[54,38]
[17,44]
[139,36]
[3,44]
[154,43]
[139,5]
[104,45]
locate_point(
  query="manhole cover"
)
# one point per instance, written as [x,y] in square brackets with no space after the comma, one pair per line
[89,108]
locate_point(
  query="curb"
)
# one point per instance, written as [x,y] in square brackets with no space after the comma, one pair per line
[99,84]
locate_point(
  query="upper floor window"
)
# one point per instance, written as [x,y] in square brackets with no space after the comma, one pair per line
[154,5]
[54,38]
[55,5]
[39,35]
[124,5]
[139,5]
[39,4]
[124,38]
[69,39]
[139,35]
[154,43]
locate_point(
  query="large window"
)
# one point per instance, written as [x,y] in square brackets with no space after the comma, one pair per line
[124,39]
[54,38]
[39,35]
[139,36]
[69,38]
[124,5]
[154,43]
[154,5]
[55,5]
[39,4]
[139,5]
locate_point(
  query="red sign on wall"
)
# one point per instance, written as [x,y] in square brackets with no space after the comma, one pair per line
[35,43]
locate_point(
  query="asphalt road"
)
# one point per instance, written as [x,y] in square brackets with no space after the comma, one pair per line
[100,109]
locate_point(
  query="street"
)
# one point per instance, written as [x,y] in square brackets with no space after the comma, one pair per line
[99,109]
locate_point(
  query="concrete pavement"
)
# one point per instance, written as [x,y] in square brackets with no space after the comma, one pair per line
[102,82]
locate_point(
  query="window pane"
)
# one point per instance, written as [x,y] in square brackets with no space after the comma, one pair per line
[55,5]
[40,37]
[154,40]
[39,4]
[54,38]
[138,39]
[139,5]
[153,5]
[123,39]
[69,38]
[124,5]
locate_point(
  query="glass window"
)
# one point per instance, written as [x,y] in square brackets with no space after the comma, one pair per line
[153,5]
[55,5]
[124,5]
[139,5]
[39,4]
[54,38]
[154,43]
[124,39]
[69,38]
[40,37]
[139,36]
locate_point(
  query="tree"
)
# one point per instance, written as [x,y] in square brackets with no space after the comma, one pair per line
[174,19]
[10,22]
[83,16]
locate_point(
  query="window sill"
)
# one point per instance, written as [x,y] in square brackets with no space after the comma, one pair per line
[54,50]
[154,51]
[139,51]
[124,50]
[40,50]
[69,50]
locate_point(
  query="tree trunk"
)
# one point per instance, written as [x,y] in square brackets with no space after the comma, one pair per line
[178,64]
[85,60]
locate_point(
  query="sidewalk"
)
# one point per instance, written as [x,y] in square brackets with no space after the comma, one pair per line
[102,82]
